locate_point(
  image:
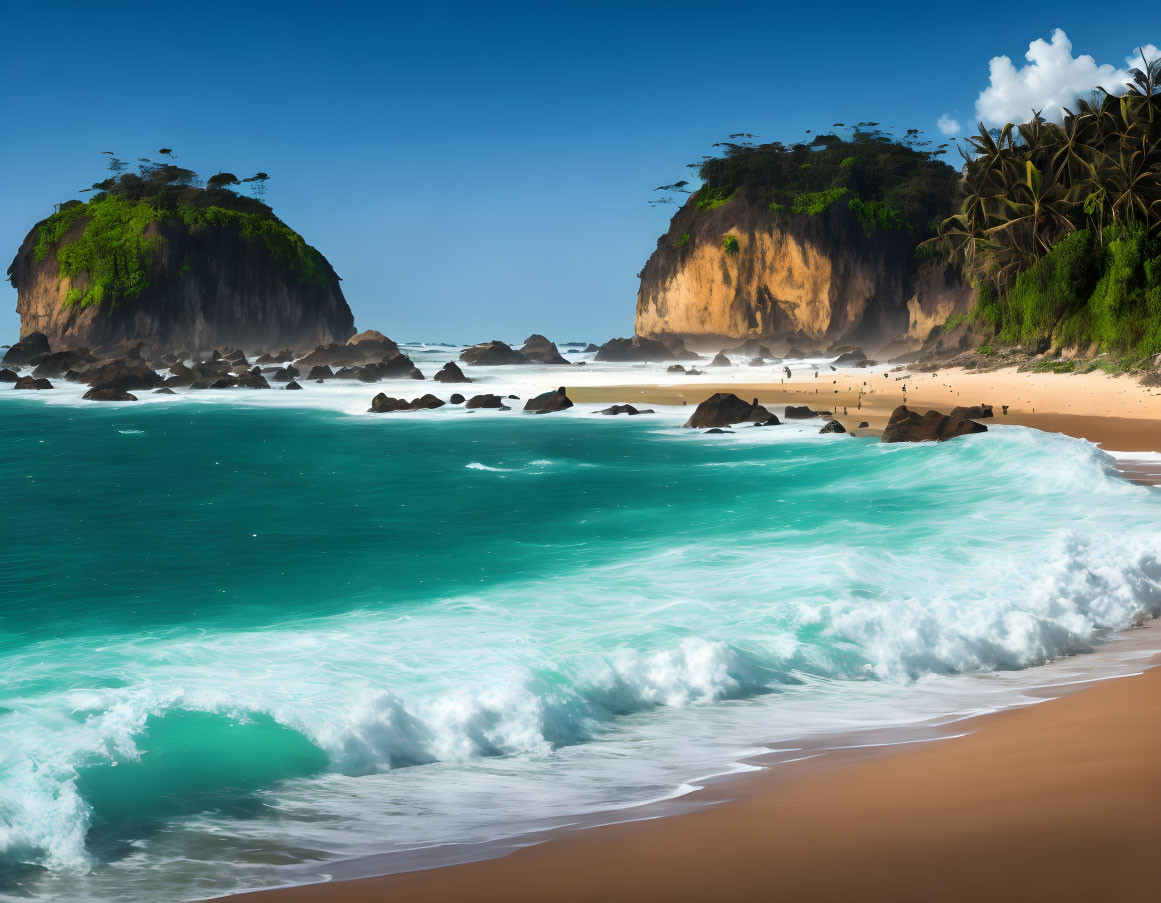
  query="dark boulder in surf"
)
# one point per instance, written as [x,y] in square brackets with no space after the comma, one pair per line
[124,373]
[720,360]
[909,426]
[451,373]
[492,354]
[625,409]
[726,409]
[31,383]
[548,402]
[385,404]
[292,386]
[833,427]
[539,350]
[637,349]
[802,412]
[106,394]
[320,371]
[485,401]
[28,350]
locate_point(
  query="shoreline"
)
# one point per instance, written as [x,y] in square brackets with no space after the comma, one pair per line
[1061,798]
[1113,412]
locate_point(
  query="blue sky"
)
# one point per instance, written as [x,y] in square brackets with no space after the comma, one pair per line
[476,171]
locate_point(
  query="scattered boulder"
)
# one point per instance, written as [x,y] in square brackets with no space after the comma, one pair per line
[548,402]
[693,371]
[8,376]
[590,348]
[852,357]
[485,401]
[58,363]
[975,412]
[676,344]
[28,350]
[803,412]
[625,409]
[863,425]
[801,352]
[833,427]
[292,386]
[360,373]
[124,373]
[675,368]
[638,349]
[32,382]
[284,374]
[720,360]
[320,371]
[492,354]
[772,421]
[716,429]
[427,403]
[726,409]
[385,404]
[164,390]
[372,342]
[909,426]
[758,362]
[265,358]
[457,398]
[538,349]
[108,394]
[751,348]
[451,373]
[334,355]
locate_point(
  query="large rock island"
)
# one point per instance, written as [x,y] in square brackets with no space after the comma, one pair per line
[152,258]
[811,242]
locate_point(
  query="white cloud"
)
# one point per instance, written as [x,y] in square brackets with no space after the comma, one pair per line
[1053,78]
[947,125]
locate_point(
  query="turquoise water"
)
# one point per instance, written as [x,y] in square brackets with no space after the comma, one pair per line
[254,638]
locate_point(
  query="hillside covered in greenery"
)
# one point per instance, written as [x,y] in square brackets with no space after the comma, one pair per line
[114,248]
[887,182]
[1059,225]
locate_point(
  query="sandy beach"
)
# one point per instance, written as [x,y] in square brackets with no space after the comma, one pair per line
[1060,800]
[1114,412]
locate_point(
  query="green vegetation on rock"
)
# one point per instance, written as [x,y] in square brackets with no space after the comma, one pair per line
[111,254]
[730,244]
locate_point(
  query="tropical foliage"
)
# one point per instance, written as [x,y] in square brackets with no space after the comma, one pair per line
[1060,224]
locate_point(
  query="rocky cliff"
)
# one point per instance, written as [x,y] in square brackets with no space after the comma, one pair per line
[744,271]
[189,278]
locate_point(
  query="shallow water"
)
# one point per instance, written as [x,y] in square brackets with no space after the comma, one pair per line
[253,634]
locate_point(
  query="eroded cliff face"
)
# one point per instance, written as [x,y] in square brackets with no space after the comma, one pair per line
[819,277]
[207,287]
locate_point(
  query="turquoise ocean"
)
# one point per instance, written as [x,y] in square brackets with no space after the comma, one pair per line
[241,641]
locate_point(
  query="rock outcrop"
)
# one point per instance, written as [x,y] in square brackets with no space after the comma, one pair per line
[492,354]
[637,349]
[909,426]
[548,402]
[806,278]
[726,409]
[539,350]
[204,286]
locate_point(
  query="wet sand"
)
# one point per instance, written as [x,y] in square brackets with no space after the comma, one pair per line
[1056,801]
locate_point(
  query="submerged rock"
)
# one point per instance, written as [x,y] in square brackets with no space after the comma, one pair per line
[625,409]
[726,409]
[909,426]
[292,386]
[548,402]
[164,390]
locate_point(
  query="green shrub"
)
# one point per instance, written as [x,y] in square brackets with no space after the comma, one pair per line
[713,198]
[730,244]
[986,350]
[775,207]
[877,216]
[812,203]
[683,241]
[954,322]
[1049,290]
[848,162]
